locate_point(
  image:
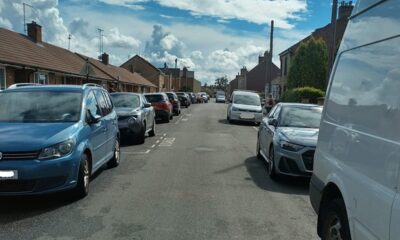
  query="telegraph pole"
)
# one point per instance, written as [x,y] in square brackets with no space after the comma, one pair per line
[100,40]
[271,48]
[69,41]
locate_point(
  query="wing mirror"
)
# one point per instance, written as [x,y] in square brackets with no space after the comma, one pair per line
[90,119]
[147,105]
[273,122]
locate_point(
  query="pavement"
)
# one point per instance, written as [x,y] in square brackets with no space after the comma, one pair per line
[197,179]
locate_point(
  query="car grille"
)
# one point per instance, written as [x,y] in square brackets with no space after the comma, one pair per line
[20,155]
[247,110]
[8,186]
[288,165]
[122,118]
[308,159]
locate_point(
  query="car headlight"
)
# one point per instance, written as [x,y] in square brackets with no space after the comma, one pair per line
[58,150]
[235,109]
[132,119]
[290,146]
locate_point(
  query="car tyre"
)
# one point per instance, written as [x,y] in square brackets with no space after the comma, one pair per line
[271,164]
[115,160]
[167,119]
[171,117]
[335,224]
[82,188]
[152,132]
[259,156]
[142,135]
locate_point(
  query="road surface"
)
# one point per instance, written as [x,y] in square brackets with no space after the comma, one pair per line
[197,179]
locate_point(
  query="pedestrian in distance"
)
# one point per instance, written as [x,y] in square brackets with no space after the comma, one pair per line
[269,103]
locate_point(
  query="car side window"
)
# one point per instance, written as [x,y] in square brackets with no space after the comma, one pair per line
[91,104]
[276,113]
[108,101]
[102,102]
[271,113]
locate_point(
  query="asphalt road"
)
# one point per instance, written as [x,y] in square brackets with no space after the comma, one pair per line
[197,179]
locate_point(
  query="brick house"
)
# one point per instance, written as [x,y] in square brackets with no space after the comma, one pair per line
[258,77]
[324,33]
[29,59]
[147,70]
[179,79]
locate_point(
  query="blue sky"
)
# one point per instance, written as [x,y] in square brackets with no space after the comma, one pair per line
[213,37]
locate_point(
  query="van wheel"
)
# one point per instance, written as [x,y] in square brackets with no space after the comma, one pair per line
[114,162]
[335,224]
[82,188]
[271,165]
[152,132]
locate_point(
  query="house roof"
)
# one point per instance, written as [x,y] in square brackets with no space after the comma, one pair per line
[18,49]
[118,73]
[175,72]
[145,61]
[318,33]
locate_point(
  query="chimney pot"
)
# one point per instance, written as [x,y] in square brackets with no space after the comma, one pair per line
[345,9]
[105,58]
[35,32]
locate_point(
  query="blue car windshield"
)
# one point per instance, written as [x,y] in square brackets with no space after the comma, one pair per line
[125,100]
[302,117]
[40,107]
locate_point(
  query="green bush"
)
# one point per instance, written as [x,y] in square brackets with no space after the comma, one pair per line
[298,94]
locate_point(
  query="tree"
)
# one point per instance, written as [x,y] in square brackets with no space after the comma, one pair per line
[309,66]
[221,83]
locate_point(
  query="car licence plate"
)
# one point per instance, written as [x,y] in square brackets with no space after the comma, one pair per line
[247,116]
[7,175]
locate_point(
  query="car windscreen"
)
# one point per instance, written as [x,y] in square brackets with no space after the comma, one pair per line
[246,99]
[303,117]
[39,107]
[126,100]
[154,98]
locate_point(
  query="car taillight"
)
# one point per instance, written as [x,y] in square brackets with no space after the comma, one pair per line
[162,105]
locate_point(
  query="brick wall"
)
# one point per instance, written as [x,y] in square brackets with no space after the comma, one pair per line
[136,64]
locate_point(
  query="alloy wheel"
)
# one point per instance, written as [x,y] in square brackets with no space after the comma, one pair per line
[86,175]
[117,152]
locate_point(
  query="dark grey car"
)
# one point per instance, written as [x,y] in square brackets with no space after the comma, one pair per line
[135,116]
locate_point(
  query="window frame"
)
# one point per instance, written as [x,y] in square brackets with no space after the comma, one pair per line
[86,105]
[36,77]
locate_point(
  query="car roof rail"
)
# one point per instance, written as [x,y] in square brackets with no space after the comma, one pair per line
[91,85]
[17,85]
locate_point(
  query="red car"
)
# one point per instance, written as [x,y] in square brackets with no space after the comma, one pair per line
[161,104]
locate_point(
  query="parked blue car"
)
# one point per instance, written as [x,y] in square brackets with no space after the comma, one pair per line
[53,138]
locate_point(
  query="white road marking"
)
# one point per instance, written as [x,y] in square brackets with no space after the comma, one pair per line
[161,138]
[158,141]
[167,142]
[184,119]
[146,152]
[255,128]
[177,121]
[164,134]
[153,146]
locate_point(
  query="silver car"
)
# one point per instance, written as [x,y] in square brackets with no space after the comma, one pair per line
[244,106]
[287,139]
[136,116]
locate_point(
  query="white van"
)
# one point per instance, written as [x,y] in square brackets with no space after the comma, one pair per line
[355,185]
[244,106]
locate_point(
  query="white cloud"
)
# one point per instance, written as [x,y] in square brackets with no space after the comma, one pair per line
[115,39]
[132,4]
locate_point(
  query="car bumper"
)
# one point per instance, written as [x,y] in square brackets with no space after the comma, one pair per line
[40,176]
[294,163]
[238,116]
[129,127]
[162,114]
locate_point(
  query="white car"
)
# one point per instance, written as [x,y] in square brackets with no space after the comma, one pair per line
[244,106]
[355,187]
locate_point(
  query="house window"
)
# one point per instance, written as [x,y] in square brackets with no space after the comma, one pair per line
[41,78]
[2,78]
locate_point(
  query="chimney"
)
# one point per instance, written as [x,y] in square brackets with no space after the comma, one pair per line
[176,63]
[104,58]
[35,32]
[243,71]
[165,65]
[345,9]
[260,59]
